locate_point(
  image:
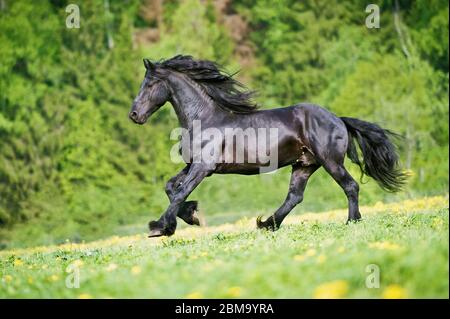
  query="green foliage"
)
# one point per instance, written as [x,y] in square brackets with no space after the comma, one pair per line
[70,155]
[73,166]
[190,18]
[25,77]
[290,37]
[429,21]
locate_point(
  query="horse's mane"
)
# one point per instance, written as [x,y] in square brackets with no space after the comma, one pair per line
[227,92]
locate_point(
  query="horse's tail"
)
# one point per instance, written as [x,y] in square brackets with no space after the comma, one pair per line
[380,158]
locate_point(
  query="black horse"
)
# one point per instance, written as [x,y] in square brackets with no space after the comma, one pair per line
[308,137]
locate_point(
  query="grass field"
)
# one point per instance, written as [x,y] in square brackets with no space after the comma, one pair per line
[311,256]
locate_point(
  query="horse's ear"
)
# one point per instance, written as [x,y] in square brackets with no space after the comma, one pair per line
[148,65]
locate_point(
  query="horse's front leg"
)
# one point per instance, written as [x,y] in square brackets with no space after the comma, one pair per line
[167,223]
[176,181]
[187,210]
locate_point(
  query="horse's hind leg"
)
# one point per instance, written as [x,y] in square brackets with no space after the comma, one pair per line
[348,184]
[330,149]
[299,178]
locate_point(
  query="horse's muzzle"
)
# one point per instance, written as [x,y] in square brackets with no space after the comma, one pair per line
[134,116]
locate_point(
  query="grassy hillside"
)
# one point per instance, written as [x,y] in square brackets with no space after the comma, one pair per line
[312,255]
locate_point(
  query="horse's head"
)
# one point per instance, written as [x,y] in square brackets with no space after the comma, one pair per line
[153,93]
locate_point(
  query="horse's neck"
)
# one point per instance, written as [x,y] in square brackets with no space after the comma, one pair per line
[190,101]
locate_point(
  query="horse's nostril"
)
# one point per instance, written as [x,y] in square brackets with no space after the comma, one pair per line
[133,115]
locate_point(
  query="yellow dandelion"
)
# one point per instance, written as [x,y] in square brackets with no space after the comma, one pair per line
[115,239]
[234,291]
[331,290]
[136,270]
[378,205]
[395,292]
[437,222]
[78,263]
[299,257]
[7,278]
[384,245]
[18,262]
[111,267]
[53,278]
[84,296]
[310,252]
[194,295]
[30,280]
[321,259]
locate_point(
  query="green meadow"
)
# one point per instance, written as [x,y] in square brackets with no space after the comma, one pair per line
[73,165]
[399,250]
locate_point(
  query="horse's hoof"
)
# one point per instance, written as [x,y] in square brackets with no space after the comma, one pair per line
[195,220]
[353,220]
[269,224]
[157,231]
[160,232]
[188,213]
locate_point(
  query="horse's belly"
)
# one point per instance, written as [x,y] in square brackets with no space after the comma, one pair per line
[288,151]
[244,168]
